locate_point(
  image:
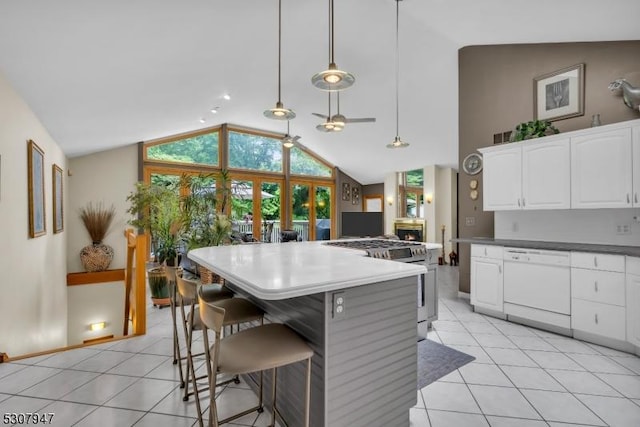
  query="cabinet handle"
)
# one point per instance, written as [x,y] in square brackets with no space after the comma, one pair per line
[500,269]
[628,198]
[636,197]
[595,285]
[595,261]
[518,202]
[596,318]
[485,251]
[523,204]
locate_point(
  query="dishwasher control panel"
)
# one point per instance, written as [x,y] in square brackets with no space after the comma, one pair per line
[534,256]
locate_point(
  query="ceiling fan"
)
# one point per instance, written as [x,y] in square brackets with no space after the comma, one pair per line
[336,122]
[288,140]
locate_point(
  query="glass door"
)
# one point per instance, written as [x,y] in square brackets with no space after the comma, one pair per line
[270,211]
[312,210]
[323,212]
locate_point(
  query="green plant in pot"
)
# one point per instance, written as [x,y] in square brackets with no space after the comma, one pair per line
[533,129]
[97,220]
[156,210]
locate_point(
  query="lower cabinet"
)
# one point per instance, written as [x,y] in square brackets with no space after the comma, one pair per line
[598,294]
[633,300]
[486,277]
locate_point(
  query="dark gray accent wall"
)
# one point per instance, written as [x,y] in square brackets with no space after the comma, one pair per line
[346,205]
[496,94]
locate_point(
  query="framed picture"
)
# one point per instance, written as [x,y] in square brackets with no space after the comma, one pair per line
[355,195]
[559,95]
[37,219]
[346,191]
[58,211]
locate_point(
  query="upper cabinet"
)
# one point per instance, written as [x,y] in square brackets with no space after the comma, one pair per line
[601,174]
[528,176]
[586,169]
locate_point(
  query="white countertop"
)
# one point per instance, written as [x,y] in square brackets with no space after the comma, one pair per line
[274,271]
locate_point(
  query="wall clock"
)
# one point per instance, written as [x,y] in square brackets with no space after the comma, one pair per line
[472,164]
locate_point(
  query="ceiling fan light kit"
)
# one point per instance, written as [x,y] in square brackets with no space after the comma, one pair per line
[397,142]
[332,79]
[279,112]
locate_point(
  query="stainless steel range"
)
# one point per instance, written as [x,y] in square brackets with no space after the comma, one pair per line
[410,252]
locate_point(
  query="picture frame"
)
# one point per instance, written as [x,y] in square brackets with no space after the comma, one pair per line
[355,195]
[560,94]
[58,201]
[346,191]
[37,213]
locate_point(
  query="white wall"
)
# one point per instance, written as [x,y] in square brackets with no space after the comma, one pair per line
[33,288]
[107,177]
[445,199]
[390,211]
[433,227]
[596,226]
[97,302]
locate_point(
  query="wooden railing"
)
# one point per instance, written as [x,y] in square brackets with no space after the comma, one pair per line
[135,284]
[302,227]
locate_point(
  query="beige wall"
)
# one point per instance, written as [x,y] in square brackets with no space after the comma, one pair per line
[496,93]
[107,177]
[94,303]
[444,201]
[33,285]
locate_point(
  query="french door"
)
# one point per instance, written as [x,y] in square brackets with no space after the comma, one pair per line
[312,213]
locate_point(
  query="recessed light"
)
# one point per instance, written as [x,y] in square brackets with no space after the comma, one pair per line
[214,110]
[202,120]
[226,96]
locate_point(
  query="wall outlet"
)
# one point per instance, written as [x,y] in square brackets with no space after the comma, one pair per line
[623,229]
[338,307]
[470,221]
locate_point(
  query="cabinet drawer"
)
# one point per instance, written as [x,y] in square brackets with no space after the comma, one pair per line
[597,261]
[600,319]
[598,286]
[486,251]
[633,266]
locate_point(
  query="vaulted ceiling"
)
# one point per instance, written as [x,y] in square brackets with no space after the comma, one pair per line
[105,74]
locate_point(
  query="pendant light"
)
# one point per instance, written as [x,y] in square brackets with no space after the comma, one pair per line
[289,141]
[332,79]
[397,142]
[279,112]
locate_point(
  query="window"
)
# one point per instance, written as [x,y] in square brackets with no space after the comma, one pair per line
[303,164]
[198,149]
[254,152]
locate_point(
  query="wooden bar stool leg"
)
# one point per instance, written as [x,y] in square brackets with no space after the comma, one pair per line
[307,398]
[273,396]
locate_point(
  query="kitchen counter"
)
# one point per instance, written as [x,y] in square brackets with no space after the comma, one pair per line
[366,348]
[280,271]
[556,246]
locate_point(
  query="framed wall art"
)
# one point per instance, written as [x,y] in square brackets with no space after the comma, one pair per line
[58,210]
[560,94]
[37,218]
[346,191]
[355,195]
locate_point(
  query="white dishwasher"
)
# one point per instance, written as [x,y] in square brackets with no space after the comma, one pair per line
[537,285]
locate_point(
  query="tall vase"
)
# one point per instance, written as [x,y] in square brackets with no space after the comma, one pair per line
[96,257]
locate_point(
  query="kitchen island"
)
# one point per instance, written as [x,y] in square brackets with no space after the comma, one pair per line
[357,313]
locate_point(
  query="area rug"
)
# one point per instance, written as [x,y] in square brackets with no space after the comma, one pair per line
[437,360]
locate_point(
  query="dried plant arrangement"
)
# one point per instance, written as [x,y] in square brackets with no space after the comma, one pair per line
[97,220]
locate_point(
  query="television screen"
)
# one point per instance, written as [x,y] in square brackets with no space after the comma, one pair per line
[362,224]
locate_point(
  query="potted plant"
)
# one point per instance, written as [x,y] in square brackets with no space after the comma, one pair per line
[97,220]
[533,129]
[156,210]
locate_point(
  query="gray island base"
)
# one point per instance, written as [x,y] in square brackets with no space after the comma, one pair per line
[364,368]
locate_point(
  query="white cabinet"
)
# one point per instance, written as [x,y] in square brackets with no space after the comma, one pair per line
[636,166]
[633,300]
[486,277]
[601,169]
[534,175]
[598,294]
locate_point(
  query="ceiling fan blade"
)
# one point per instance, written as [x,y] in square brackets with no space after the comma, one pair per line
[322,116]
[362,120]
[296,138]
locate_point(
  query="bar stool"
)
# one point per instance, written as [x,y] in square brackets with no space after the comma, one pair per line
[251,350]
[214,292]
[241,311]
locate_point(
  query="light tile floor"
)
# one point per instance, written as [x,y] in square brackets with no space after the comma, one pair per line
[521,377]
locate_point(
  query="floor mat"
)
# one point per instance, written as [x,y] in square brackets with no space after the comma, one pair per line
[437,360]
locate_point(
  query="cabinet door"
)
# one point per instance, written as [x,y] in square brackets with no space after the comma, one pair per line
[486,283]
[546,175]
[502,180]
[636,166]
[601,170]
[597,318]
